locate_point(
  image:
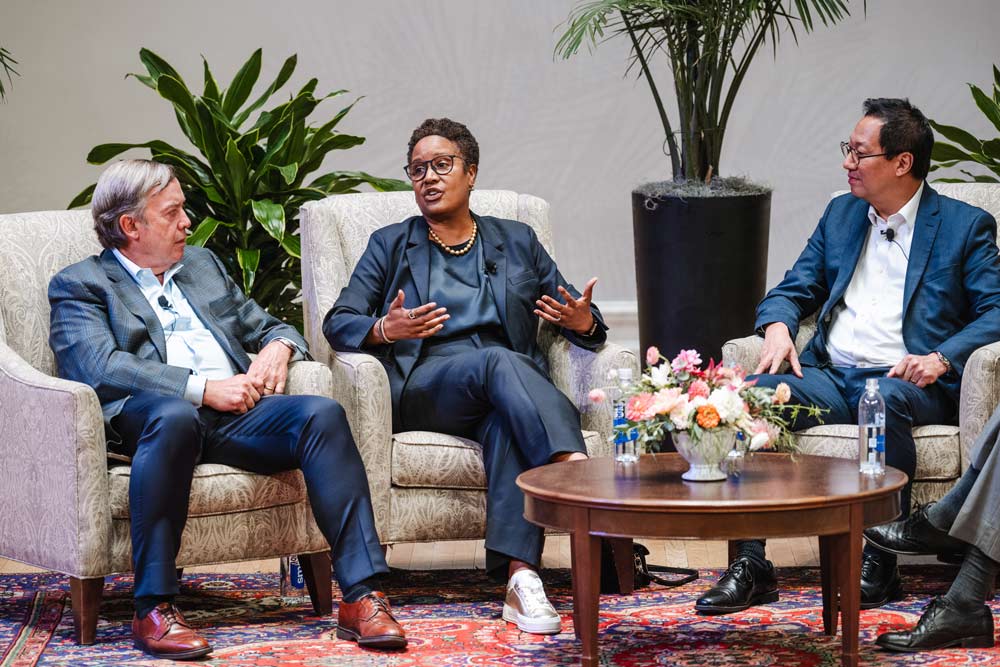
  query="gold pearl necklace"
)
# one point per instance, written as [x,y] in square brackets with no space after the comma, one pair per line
[447,248]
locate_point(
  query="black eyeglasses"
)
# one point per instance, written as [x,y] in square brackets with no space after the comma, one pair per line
[849,150]
[441,164]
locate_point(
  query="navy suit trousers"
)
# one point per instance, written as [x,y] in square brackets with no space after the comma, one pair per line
[167,436]
[504,401]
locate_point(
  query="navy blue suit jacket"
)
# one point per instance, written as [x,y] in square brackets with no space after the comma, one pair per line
[951,297]
[398,258]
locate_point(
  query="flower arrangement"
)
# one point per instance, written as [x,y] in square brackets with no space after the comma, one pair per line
[679,396]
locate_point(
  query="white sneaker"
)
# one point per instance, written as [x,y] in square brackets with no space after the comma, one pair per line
[527,606]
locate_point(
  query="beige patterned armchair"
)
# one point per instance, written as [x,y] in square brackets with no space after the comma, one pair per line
[425,486]
[63,507]
[942,450]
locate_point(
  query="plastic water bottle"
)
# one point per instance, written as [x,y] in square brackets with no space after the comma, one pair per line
[871,430]
[293,583]
[625,443]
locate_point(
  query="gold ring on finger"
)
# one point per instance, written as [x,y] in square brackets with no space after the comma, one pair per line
[410,314]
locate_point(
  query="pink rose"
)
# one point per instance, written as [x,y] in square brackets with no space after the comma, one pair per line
[597,396]
[640,407]
[665,400]
[782,393]
[653,355]
[698,388]
[686,360]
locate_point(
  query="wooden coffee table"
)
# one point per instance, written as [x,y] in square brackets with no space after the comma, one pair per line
[776,496]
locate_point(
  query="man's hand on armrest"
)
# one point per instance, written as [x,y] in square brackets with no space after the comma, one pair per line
[269,370]
[778,346]
[236,394]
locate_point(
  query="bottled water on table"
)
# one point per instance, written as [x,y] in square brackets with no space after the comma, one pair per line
[625,443]
[871,430]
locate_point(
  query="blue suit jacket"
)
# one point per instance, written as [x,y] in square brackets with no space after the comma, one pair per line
[951,297]
[398,257]
[104,333]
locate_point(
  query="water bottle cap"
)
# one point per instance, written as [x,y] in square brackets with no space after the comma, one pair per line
[625,374]
[871,384]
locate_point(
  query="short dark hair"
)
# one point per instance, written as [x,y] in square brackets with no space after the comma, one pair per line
[904,130]
[450,130]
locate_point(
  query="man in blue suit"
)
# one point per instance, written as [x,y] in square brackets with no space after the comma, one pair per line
[905,285]
[162,334]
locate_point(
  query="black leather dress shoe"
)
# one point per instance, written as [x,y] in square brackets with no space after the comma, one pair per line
[743,585]
[880,582]
[943,626]
[915,536]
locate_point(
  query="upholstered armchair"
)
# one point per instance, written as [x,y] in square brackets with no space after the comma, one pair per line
[943,451]
[64,503]
[425,486]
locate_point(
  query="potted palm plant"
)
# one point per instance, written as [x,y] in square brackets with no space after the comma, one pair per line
[697,228]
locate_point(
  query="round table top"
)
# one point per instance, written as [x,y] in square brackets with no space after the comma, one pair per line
[768,481]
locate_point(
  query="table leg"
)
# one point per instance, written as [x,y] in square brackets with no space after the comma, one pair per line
[828,576]
[586,554]
[621,547]
[849,576]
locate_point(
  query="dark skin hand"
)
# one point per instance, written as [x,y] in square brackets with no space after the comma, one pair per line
[573,314]
[427,320]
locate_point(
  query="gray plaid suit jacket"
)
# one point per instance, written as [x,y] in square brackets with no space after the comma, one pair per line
[104,333]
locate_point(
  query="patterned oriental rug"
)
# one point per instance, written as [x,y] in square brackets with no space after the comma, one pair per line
[453,620]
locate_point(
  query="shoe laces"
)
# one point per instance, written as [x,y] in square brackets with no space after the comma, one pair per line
[171,615]
[532,595]
[739,570]
[380,606]
[869,563]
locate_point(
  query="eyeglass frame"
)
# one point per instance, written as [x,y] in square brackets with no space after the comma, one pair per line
[847,149]
[428,164]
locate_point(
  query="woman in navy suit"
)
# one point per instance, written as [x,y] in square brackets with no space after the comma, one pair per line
[450,302]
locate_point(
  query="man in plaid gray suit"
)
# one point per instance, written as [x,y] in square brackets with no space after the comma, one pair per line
[162,334]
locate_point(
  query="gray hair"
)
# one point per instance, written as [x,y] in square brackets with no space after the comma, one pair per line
[123,189]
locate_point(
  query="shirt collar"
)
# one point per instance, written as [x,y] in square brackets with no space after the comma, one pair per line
[904,216]
[140,274]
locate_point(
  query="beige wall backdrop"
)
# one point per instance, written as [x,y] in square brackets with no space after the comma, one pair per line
[575,132]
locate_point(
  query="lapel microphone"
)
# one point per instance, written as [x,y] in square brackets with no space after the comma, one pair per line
[163,302]
[491,267]
[889,234]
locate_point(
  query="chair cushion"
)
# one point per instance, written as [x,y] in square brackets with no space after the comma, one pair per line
[423,459]
[220,489]
[938,450]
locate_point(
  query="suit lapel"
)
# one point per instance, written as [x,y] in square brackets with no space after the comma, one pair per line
[418,260]
[924,232]
[130,294]
[494,256]
[856,236]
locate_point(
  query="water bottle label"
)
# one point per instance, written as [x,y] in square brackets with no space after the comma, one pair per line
[295,573]
[880,443]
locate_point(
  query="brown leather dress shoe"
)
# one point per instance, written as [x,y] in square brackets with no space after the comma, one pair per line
[370,623]
[165,634]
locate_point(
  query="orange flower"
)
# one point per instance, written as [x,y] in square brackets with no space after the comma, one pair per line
[708,416]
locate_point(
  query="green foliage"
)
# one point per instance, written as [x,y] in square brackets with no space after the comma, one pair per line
[966,148]
[6,64]
[247,181]
[700,39]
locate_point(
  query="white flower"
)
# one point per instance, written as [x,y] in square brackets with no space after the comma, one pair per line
[697,401]
[681,414]
[659,375]
[728,404]
[759,441]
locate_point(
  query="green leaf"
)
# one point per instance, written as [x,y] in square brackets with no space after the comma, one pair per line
[157,66]
[292,245]
[84,197]
[283,75]
[271,216]
[288,172]
[989,108]
[147,81]
[211,87]
[959,136]
[211,140]
[104,152]
[248,261]
[243,82]
[172,90]
[203,232]
[943,152]
[991,148]
[237,166]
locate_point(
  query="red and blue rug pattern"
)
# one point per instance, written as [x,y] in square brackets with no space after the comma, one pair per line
[453,620]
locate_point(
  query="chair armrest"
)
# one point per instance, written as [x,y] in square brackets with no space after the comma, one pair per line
[979,397]
[54,473]
[743,352]
[309,377]
[361,386]
[576,371]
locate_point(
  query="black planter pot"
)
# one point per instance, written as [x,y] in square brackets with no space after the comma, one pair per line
[700,269]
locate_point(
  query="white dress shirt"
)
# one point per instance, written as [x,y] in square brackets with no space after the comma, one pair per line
[867,327]
[190,344]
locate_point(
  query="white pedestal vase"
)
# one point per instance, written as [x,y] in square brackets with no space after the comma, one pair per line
[705,456]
